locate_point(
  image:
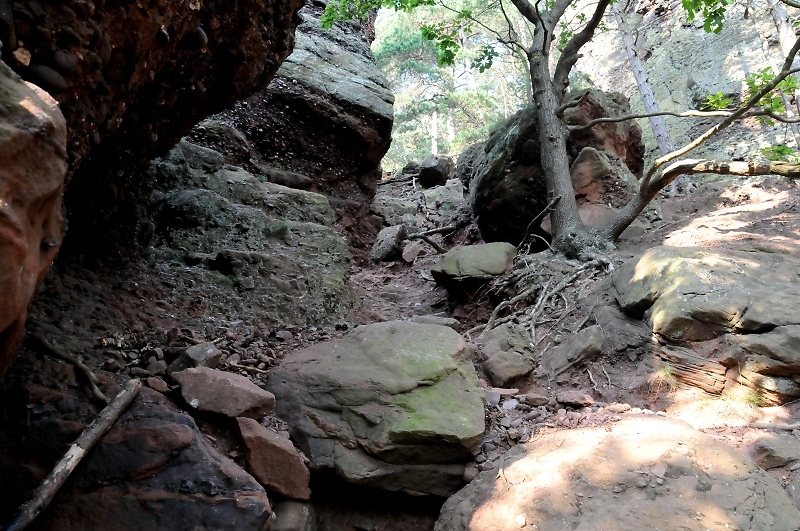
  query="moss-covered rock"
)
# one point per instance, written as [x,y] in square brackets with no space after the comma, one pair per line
[385,406]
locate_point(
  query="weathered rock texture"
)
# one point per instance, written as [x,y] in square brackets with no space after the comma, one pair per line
[644,472]
[273,460]
[224,392]
[685,64]
[505,179]
[257,250]
[327,117]
[132,79]
[32,168]
[155,470]
[392,405]
[727,319]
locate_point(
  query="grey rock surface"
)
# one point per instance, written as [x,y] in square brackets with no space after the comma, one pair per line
[470,263]
[259,250]
[507,353]
[392,405]
[388,244]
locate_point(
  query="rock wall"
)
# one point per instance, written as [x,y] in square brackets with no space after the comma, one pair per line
[32,167]
[685,64]
[323,124]
[133,78]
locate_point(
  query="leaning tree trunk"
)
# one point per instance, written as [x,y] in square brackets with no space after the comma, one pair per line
[657,123]
[786,38]
[569,234]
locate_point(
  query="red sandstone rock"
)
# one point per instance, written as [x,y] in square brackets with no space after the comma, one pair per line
[32,168]
[273,461]
[224,392]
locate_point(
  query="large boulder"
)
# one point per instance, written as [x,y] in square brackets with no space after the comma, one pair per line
[644,472]
[471,264]
[327,116]
[505,179]
[392,405]
[156,470]
[736,311]
[132,79]
[259,250]
[32,168]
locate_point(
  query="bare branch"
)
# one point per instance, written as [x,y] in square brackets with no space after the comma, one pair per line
[526,10]
[791,3]
[685,114]
[690,167]
[570,54]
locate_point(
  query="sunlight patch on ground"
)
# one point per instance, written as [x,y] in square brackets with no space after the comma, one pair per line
[703,411]
[754,209]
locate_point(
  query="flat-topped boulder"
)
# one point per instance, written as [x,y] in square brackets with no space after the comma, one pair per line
[392,405]
[644,472]
[730,319]
[473,263]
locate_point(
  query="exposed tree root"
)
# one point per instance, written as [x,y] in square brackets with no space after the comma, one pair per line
[42,345]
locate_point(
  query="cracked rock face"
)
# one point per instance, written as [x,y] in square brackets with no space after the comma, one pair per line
[326,120]
[644,472]
[393,405]
[32,168]
[133,78]
[729,320]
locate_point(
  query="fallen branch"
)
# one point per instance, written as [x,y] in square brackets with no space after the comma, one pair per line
[594,384]
[50,485]
[439,230]
[770,426]
[248,368]
[539,217]
[424,237]
[40,343]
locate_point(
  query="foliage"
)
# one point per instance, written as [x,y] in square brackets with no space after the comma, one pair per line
[773,101]
[449,72]
[780,154]
[713,12]
[715,102]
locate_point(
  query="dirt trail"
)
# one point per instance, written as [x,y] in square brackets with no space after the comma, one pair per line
[118,320]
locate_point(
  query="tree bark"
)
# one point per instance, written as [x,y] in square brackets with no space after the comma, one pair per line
[657,123]
[786,38]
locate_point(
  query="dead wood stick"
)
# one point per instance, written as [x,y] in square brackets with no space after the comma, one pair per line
[594,384]
[424,237]
[439,230]
[44,346]
[50,485]
[770,426]
[248,368]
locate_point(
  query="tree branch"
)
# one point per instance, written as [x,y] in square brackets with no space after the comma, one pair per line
[685,114]
[526,10]
[786,70]
[570,54]
[691,167]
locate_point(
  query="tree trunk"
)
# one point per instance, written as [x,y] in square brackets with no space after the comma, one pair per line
[657,123]
[786,38]
[570,236]
[434,132]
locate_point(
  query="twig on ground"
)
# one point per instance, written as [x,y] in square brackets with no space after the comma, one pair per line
[248,368]
[607,376]
[427,239]
[539,217]
[50,485]
[40,343]
[594,384]
[770,426]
